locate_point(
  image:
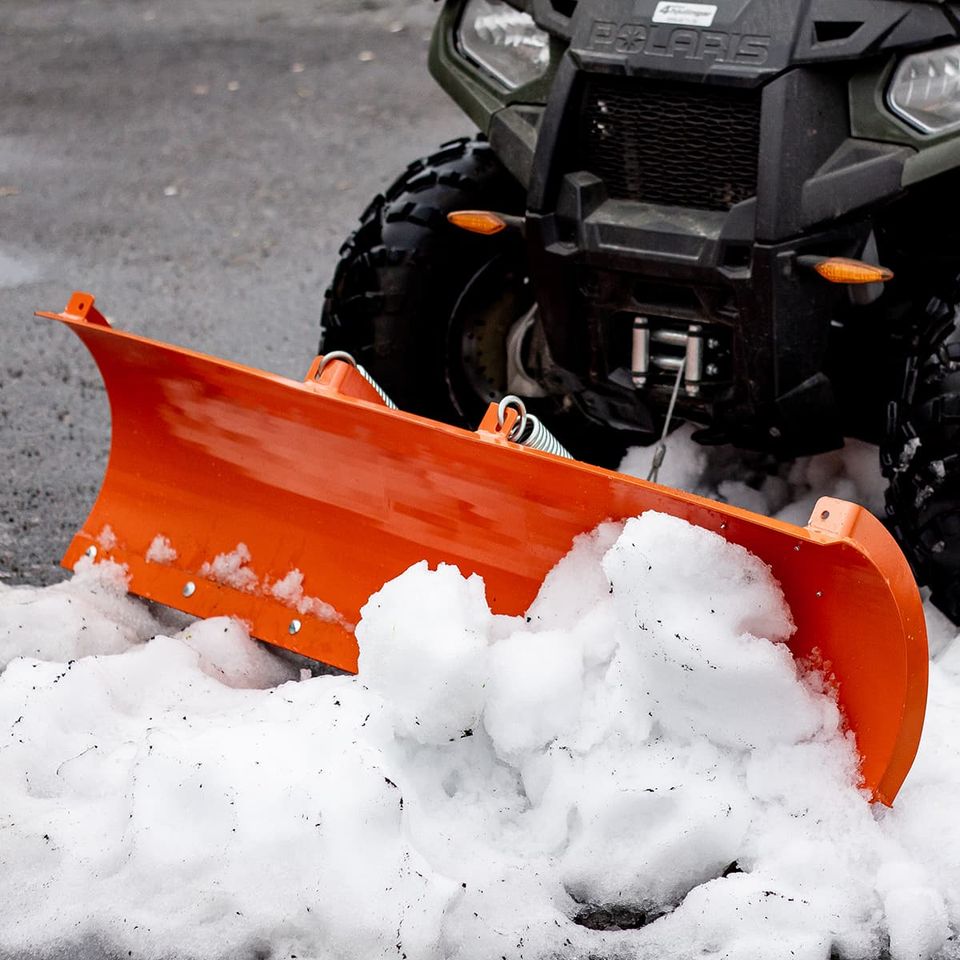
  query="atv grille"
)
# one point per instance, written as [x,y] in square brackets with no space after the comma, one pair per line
[672,143]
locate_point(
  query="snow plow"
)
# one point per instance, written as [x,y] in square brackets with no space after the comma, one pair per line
[287,503]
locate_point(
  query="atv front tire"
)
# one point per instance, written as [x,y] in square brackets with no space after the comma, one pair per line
[403,271]
[921,458]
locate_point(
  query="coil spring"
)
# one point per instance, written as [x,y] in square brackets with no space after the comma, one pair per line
[529,431]
[347,358]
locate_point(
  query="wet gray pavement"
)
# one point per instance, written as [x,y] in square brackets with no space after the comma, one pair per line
[195,164]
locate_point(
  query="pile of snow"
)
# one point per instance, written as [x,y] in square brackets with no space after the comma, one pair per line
[787,492]
[634,769]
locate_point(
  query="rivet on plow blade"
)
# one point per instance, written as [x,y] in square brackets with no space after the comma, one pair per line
[321,482]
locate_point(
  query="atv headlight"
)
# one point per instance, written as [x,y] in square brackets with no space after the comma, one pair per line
[504,41]
[925,90]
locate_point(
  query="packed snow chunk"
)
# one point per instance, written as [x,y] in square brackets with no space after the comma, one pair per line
[107,538]
[923,821]
[289,590]
[572,587]
[152,809]
[660,563]
[683,466]
[914,910]
[90,614]
[160,550]
[716,667]
[423,646]
[534,692]
[231,569]
[740,494]
[851,473]
[746,917]
[752,481]
[662,826]
[228,654]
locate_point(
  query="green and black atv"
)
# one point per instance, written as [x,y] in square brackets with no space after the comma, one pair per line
[751,207]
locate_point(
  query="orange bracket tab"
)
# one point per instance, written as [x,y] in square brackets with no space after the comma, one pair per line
[81,307]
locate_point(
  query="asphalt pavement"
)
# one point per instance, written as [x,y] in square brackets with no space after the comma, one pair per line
[195,164]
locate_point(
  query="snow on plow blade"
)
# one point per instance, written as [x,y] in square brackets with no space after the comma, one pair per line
[234,491]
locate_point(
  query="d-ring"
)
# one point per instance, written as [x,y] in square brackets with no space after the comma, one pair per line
[334,355]
[505,404]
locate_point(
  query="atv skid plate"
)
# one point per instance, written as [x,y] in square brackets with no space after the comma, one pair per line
[332,494]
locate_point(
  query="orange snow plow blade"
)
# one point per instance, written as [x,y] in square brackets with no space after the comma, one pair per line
[287,504]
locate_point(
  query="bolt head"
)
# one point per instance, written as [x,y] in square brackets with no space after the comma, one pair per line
[189,588]
[91,552]
[294,627]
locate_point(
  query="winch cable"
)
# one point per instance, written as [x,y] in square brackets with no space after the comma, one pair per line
[661,451]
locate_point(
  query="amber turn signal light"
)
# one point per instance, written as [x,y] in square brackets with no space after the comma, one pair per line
[478,221]
[844,270]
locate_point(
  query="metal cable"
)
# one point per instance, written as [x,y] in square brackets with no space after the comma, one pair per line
[661,451]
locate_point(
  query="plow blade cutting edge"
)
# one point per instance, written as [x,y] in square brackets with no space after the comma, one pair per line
[332,494]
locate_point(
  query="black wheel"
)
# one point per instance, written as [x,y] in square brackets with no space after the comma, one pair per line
[921,457]
[425,306]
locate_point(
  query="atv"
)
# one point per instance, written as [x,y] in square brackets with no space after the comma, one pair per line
[743,215]
[742,218]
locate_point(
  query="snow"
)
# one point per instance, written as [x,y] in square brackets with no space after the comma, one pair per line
[82,617]
[636,768]
[788,493]
[289,590]
[161,550]
[107,538]
[232,570]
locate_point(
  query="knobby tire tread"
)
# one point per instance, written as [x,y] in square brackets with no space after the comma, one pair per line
[401,271]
